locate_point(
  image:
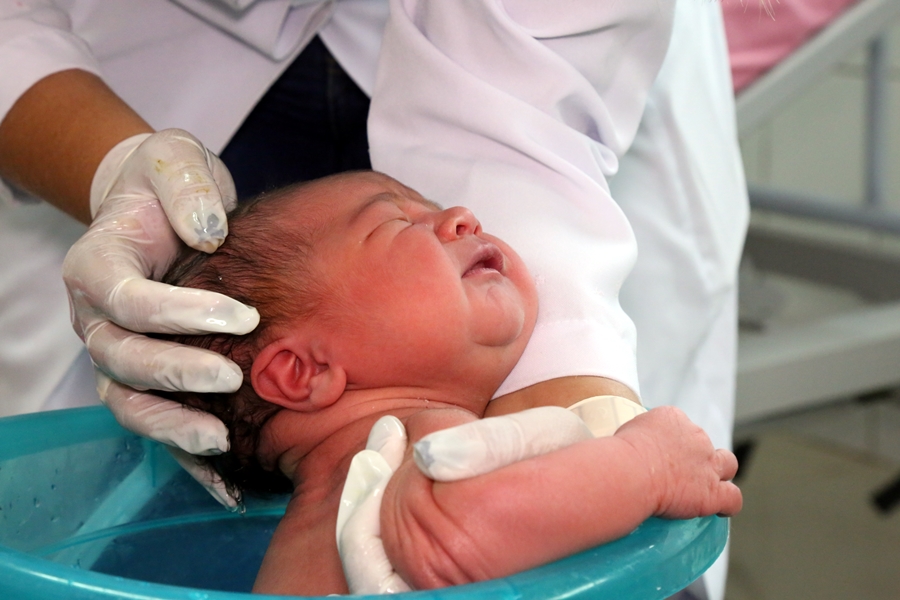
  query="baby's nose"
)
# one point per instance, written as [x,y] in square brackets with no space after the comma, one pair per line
[456,222]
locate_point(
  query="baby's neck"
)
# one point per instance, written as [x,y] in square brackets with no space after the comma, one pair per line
[315,449]
[308,528]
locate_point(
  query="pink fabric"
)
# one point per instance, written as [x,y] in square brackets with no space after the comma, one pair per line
[757,41]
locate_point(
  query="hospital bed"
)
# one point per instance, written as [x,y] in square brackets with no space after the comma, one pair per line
[856,350]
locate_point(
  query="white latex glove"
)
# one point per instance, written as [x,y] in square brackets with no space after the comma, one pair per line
[149,191]
[366,565]
[204,476]
[603,415]
[488,444]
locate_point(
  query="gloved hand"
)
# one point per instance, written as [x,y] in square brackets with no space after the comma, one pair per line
[489,444]
[149,191]
[366,565]
[205,476]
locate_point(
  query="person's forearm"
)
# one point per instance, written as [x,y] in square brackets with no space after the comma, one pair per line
[56,134]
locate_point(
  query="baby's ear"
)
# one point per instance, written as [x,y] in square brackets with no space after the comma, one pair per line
[286,373]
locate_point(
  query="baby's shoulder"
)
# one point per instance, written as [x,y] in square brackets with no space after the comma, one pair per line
[426,421]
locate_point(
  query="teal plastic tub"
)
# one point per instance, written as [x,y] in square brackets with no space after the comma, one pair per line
[88,511]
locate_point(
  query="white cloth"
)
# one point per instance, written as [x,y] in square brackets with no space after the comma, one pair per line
[276,28]
[522,119]
[682,188]
[171,66]
[37,344]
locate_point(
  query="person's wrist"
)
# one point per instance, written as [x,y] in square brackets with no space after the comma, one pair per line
[110,166]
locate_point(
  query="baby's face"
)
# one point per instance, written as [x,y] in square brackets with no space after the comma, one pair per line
[421,293]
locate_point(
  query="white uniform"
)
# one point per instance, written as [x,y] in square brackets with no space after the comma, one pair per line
[536,163]
[682,187]
[38,348]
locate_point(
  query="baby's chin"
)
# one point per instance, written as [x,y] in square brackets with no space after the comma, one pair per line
[504,319]
[507,350]
[508,308]
[521,278]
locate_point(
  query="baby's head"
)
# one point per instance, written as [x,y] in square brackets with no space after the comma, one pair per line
[361,284]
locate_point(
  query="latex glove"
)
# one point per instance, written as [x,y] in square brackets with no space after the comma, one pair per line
[205,477]
[366,565]
[149,191]
[483,446]
[603,415]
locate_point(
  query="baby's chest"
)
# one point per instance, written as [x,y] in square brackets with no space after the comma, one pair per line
[302,558]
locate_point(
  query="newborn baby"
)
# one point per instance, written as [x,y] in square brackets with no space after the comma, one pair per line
[376,302]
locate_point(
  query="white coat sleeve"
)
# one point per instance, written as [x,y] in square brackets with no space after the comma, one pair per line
[520,110]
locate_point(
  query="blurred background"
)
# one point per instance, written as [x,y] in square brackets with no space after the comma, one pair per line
[818,395]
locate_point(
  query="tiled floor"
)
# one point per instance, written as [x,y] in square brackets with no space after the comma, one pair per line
[809,528]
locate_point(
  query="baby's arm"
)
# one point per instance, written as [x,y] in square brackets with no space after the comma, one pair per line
[542,509]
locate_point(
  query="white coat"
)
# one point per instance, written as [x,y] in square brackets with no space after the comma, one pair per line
[574,173]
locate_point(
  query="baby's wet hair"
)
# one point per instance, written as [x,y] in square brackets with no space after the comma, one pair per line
[264,263]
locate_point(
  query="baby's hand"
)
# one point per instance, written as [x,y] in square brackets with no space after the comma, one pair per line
[689,478]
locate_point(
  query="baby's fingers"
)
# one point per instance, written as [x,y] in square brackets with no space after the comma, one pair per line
[730,499]
[726,464]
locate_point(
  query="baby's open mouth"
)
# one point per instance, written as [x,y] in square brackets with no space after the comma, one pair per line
[487,258]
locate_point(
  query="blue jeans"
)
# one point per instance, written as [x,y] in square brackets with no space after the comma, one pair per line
[310,123]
